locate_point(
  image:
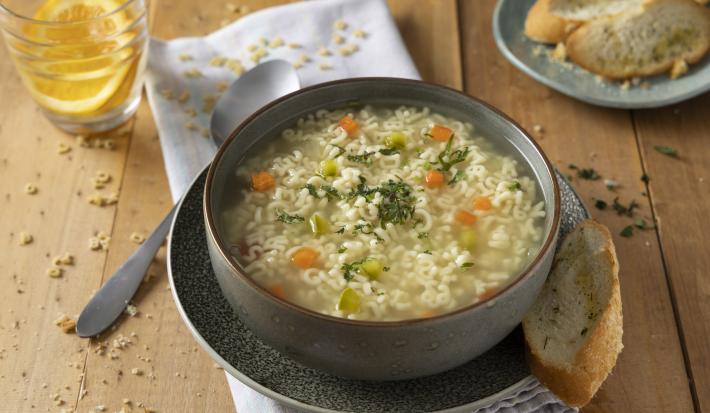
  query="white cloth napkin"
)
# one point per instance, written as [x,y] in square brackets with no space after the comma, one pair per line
[182,84]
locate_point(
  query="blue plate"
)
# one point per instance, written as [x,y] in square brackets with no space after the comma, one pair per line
[573,81]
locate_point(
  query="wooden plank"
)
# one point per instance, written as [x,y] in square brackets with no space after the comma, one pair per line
[650,375]
[431,33]
[165,353]
[172,352]
[681,201]
[36,358]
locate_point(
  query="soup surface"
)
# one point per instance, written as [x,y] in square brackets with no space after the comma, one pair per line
[383,214]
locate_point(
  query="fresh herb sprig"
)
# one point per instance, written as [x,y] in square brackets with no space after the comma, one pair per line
[286,218]
[448,158]
[666,150]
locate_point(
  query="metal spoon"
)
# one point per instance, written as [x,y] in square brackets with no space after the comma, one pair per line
[255,88]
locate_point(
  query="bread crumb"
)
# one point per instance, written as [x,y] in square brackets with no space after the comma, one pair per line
[679,69]
[65,323]
[232,8]
[137,237]
[538,128]
[338,39]
[136,371]
[65,259]
[348,50]
[340,25]
[625,85]
[323,51]
[560,52]
[359,33]
[31,188]
[185,57]
[54,272]
[100,408]
[25,238]
[63,148]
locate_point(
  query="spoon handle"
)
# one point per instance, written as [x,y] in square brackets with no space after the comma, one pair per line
[109,302]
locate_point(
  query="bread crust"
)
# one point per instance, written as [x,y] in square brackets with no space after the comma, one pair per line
[585,57]
[596,358]
[542,26]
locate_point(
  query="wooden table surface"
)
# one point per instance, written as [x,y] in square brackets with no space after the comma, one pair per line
[665,272]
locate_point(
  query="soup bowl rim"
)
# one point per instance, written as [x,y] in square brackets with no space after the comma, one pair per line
[527,272]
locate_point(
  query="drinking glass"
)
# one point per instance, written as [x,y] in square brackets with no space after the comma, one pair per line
[81,60]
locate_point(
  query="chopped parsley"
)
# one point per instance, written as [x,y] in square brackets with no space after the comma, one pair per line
[426,252]
[349,270]
[342,250]
[447,158]
[459,176]
[283,216]
[666,150]
[622,209]
[367,229]
[627,231]
[642,224]
[330,192]
[341,231]
[584,331]
[515,186]
[397,204]
[389,151]
[585,173]
[600,204]
[341,151]
[364,158]
[611,184]
[423,235]
[467,265]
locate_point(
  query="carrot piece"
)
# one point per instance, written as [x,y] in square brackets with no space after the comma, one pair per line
[465,218]
[427,314]
[434,179]
[441,133]
[304,257]
[262,182]
[482,203]
[349,125]
[488,293]
[278,291]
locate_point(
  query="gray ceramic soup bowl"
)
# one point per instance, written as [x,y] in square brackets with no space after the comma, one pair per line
[364,349]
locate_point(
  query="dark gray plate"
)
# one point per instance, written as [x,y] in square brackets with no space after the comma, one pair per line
[508,23]
[219,331]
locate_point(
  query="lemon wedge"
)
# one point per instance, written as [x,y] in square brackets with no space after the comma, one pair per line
[78,76]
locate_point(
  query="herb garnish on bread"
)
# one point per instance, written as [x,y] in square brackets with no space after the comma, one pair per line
[642,43]
[573,331]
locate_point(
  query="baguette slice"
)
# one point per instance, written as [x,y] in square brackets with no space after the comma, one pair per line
[573,331]
[542,26]
[642,43]
[586,10]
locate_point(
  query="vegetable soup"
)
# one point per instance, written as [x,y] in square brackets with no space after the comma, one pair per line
[383,214]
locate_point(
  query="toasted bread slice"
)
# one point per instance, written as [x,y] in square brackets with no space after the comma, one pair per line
[642,43]
[542,26]
[586,10]
[573,331]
